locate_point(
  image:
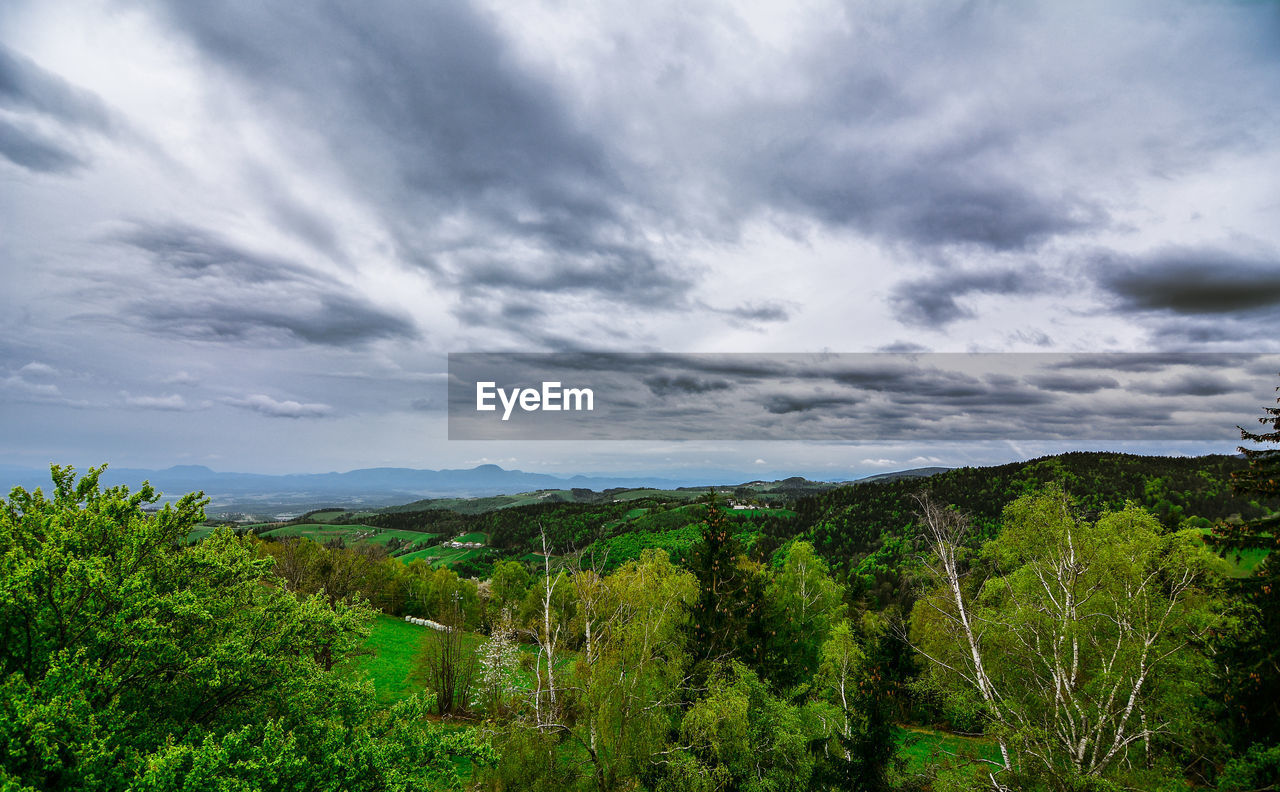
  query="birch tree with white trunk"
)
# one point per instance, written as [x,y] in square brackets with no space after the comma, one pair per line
[1082,639]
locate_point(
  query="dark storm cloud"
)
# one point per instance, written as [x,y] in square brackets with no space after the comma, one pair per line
[1073,383]
[1197,385]
[204,287]
[662,384]
[786,404]
[931,300]
[34,152]
[1150,362]
[1191,281]
[869,396]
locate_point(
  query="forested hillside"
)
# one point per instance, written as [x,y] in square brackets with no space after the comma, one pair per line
[1058,624]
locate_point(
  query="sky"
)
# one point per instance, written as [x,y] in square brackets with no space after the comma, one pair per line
[248,235]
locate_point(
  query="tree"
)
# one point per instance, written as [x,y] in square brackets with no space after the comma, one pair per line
[852,702]
[447,664]
[741,736]
[622,701]
[508,585]
[1083,643]
[132,660]
[803,603]
[499,661]
[726,620]
[1252,655]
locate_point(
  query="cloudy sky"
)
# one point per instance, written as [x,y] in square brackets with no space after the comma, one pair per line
[247,235]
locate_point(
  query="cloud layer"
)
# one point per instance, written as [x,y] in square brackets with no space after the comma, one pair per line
[271,211]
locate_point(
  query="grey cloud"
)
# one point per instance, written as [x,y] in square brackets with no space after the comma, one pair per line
[191,251]
[767,311]
[35,152]
[1199,384]
[206,288]
[25,85]
[47,117]
[1191,281]
[784,404]
[1073,383]
[903,348]
[330,320]
[931,300]
[935,198]
[662,384]
[621,274]
[1150,362]
[432,114]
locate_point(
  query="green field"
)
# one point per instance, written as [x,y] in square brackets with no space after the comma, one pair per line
[637,494]
[350,534]
[394,644]
[441,555]
[445,556]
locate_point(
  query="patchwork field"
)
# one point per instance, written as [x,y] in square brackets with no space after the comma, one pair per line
[443,555]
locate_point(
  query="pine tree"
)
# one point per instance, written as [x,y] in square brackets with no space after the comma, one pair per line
[1252,659]
[719,616]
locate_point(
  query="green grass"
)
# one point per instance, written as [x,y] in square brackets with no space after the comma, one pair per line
[1243,563]
[923,748]
[393,644]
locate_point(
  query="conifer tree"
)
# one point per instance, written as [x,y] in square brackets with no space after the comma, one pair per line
[1252,660]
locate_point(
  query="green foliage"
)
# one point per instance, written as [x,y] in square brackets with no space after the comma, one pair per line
[1085,640]
[804,603]
[728,617]
[1253,655]
[1257,769]
[131,660]
[744,737]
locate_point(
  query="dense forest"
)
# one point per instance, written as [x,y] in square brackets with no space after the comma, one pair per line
[1088,621]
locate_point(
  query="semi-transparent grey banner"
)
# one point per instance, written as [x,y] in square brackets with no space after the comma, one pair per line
[856,397]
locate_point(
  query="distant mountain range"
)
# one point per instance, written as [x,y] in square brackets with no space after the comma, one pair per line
[370,487]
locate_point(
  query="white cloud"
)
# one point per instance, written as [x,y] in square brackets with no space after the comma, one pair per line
[171,401]
[287,408]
